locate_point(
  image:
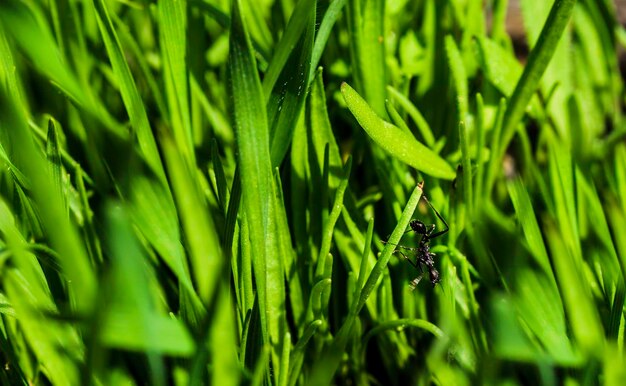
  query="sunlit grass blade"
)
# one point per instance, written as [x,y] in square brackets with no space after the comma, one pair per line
[395,141]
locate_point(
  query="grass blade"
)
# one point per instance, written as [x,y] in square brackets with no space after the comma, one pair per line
[394,140]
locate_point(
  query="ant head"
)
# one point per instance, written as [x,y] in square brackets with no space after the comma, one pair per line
[418,227]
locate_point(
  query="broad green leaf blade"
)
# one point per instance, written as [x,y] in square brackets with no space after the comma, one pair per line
[395,141]
[252,133]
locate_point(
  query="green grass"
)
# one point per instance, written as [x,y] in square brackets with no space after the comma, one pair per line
[200,191]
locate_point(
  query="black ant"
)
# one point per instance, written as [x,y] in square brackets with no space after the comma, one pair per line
[424,257]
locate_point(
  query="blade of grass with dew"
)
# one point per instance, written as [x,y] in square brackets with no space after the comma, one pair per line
[173,40]
[128,89]
[538,61]
[395,141]
[299,22]
[288,94]
[252,132]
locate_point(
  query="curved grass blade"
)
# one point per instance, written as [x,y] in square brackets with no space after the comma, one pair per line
[395,141]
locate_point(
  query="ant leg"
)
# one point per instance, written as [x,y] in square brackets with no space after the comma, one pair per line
[405,232]
[406,258]
[402,246]
[440,218]
[413,284]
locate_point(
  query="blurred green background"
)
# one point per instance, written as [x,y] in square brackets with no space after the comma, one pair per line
[210,192]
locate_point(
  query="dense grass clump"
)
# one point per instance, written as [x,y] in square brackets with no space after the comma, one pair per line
[212,192]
